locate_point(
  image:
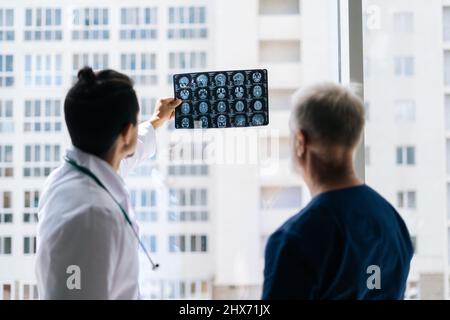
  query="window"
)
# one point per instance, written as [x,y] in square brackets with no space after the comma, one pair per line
[6,293]
[147,106]
[274,198]
[42,116]
[268,7]
[97,61]
[6,116]
[6,70]
[404,66]
[5,245]
[43,70]
[29,292]
[188,170]
[404,111]
[43,24]
[6,161]
[144,203]
[406,199]
[187,60]
[406,155]
[30,206]
[447,67]
[29,245]
[40,160]
[446,23]
[6,24]
[138,23]
[188,243]
[279,51]
[187,23]
[140,67]
[90,24]
[149,242]
[447,112]
[414,243]
[404,22]
[6,210]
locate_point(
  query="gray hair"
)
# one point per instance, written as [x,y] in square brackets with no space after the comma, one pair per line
[329,114]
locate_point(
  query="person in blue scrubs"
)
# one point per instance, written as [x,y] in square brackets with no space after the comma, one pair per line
[348,242]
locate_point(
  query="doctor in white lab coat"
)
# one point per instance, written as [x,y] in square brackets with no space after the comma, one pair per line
[85,247]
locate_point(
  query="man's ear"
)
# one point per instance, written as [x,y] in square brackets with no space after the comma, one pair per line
[300,143]
[127,134]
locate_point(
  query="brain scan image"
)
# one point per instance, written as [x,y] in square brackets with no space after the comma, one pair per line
[257,91]
[202,94]
[221,106]
[185,108]
[183,82]
[257,105]
[221,121]
[203,107]
[239,106]
[238,79]
[202,80]
[184,94]
[220,80]
[222,99]
[221,93]
[204,122]
[185,123]
[256,76]
[239,92]
[258,119]
[239,120]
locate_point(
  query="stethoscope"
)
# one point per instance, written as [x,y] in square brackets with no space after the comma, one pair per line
[89,173]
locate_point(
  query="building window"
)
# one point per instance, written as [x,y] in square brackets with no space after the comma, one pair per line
[6,25]
[140,67]
[414,243]
[97,61]
[29,292]
[43,24]
[446,23]
[138,23]
[147,107]
[6,290]
[404,111]
[281,198]
[406,155]
[404,22]
[6,213]
[144,204]
[406,199]
[187,60]
[279,51]
[42,116]
[40,160]
[5,245]
[43,70]
[149,242]
[6,116]
[404,66]
[6,161]
[29,245]
[6,70]
[187,23]
[188,170]
[188,205]
[188,243]
[90,24]
[30,206]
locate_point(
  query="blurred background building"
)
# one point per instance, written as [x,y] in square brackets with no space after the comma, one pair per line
[207,223]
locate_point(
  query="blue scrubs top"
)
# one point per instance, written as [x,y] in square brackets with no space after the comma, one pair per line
[332,248]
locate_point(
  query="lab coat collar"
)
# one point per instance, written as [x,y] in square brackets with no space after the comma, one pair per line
[102,170]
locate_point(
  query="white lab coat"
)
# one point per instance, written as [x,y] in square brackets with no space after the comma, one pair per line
[80,225]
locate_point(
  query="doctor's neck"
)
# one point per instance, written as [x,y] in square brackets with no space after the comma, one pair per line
[114,156]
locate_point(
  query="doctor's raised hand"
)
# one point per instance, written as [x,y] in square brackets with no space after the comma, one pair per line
[87,238]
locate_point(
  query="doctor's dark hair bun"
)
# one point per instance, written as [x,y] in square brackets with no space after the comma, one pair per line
[98,107]
[87,74]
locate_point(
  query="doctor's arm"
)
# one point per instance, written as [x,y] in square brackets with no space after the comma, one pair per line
[146,143]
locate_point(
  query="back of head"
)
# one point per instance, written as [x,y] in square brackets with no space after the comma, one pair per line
[329,115]
[98,107]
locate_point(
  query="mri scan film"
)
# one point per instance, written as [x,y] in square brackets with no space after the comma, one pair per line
[222,99]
